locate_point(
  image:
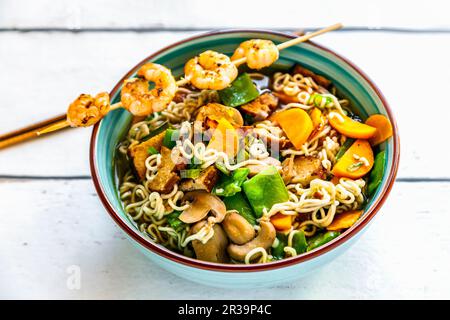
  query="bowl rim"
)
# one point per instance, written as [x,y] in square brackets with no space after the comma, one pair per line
[210,266]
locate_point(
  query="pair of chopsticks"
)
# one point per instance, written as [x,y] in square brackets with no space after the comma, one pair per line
[59,122]
[29,132]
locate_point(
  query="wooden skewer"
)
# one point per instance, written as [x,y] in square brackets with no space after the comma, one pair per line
[298,40]
[60,122]
[64,124]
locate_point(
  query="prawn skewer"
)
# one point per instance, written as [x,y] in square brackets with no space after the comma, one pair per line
[257,53]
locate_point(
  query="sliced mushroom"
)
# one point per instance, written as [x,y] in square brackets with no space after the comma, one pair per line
[211,113]
[215,249]
[201,204]
[238,229]
[264,239]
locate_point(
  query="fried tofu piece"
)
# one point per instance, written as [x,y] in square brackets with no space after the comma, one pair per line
[261,107]
[285,99]
[302,169]
[320,80]
[206,181]
[166,176]
[139,153]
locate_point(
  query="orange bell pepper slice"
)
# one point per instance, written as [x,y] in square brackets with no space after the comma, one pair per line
[296,124]
[349,127]
[225,138]
[344,220]
[351,165]
[383,126]
[281,222]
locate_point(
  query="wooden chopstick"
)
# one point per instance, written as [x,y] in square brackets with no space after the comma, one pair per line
[29,132]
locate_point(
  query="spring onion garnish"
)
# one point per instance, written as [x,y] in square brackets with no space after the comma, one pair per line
[320,101]
[152,150]
[355,166]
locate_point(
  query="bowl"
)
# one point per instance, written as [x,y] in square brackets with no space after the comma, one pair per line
[349,80]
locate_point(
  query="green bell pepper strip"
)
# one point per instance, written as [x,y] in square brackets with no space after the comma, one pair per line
[376,175]
[174,222]
[241,91]
[299,242]
[278,251]
[230,185]
[170,138]
[240,204]
[321,239]
[190,173]
[265,189]
[347,144]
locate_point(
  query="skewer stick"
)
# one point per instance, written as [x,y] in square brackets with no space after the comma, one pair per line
[308,36]
[237,62]
[63,123]
[297,40]
[281,46]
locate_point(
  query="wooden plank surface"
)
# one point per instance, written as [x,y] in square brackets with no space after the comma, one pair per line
[212,14]
[52,225]
[48,226]
[408,68]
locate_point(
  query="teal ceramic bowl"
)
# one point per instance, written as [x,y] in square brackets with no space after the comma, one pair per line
[350,82]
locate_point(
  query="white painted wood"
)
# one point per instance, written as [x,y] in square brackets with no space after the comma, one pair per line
[209,14]
[48,226]
[42,73]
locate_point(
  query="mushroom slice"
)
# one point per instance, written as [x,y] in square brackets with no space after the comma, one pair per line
[201,204]
[264,239]
[215,249]
[238,229]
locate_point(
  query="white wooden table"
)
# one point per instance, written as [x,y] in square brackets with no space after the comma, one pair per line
[51,218]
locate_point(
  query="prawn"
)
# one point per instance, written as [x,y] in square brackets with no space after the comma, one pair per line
[259,53]
[87,110]
[210,70]
[136,96]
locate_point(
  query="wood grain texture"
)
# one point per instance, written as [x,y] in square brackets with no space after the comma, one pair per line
[49,225]
[212,14]
[403,254]
[408,68]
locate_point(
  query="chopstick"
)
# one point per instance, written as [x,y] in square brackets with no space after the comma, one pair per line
[29,132]
[60,122]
